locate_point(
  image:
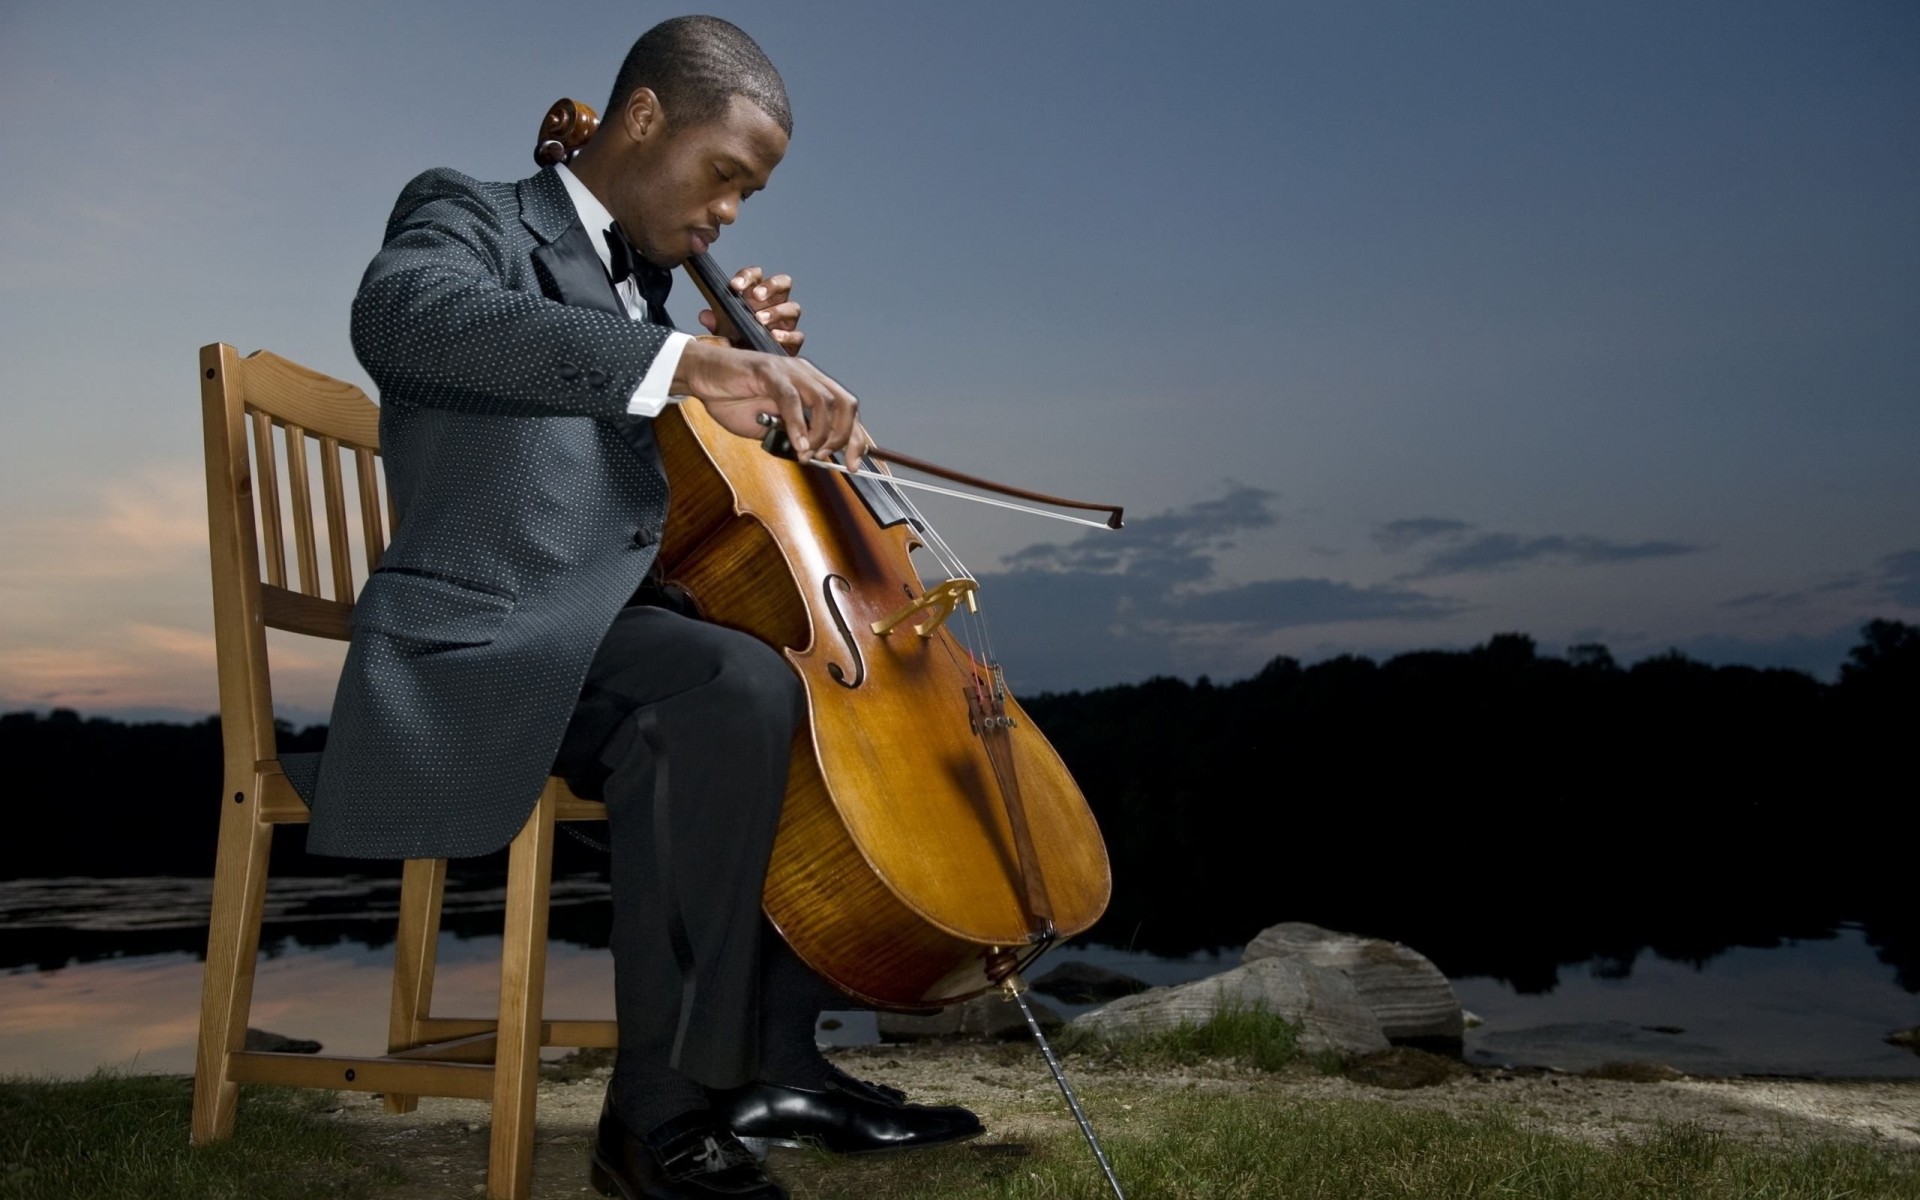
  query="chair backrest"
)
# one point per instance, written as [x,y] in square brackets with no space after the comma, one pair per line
[271,427]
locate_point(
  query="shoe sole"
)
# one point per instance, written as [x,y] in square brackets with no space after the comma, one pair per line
[759,1147]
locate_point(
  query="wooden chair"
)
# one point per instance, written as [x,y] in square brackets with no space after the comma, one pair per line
[245,400]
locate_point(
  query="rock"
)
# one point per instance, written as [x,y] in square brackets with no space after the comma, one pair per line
[988,1017]
[1910,1038]
[279,1043]
[1403,1068]
[1331,1012]
[1408,995]
[1470,1019]
[1081,983]
[585,1062]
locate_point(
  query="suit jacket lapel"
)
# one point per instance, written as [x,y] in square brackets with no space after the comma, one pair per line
[568,264]
[570,271]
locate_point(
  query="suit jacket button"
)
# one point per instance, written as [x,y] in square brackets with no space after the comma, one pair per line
[645,537]
[568,371]
[597,378]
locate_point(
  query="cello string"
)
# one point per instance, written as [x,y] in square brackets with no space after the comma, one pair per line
[972,628]
[974,631]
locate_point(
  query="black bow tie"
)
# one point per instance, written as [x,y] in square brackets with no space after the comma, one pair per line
[654,282]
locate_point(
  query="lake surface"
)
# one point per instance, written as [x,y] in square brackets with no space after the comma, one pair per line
[107,973]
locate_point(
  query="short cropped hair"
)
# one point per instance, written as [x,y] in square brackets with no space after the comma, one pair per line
[696,65]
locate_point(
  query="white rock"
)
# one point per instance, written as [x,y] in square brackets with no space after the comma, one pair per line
[1325,1003]
[1407,993]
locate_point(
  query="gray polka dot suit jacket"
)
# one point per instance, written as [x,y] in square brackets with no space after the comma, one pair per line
[529,508]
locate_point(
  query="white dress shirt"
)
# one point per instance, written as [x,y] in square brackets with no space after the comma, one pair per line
[651,396]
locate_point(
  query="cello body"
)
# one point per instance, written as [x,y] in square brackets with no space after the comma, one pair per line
[896,872]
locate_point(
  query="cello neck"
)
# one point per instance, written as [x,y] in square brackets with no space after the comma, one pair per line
[717,287]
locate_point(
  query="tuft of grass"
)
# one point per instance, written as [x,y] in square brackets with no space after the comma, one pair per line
[1250,1035]
[1633,1072]
[126,1135]
[1189,1145]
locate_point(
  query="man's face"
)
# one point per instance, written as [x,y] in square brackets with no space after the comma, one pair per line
[680,185]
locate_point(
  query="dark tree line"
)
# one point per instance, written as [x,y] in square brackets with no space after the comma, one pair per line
[1500,803]
[1480,804]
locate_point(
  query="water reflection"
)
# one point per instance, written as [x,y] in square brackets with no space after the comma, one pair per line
[143,1012]
[1812,1007]
[107,972]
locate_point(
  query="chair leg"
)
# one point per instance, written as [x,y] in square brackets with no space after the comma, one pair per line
[233,947]
[523,979]
[423,882]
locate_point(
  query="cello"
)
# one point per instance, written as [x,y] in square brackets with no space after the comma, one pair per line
[932,843]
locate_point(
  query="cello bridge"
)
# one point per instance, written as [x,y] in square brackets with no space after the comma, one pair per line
[938,602]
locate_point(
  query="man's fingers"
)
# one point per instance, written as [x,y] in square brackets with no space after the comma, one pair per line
[791,339]
[780,316]
[793,414]
[745,278]
[842,412]
[708,320]
[859,446]
[820,423]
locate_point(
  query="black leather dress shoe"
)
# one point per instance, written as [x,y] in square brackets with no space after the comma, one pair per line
[691,1157]
[846,1116]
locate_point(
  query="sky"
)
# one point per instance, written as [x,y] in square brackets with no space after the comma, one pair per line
[1393,325]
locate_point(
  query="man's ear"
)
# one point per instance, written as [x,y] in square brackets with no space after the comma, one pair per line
[642,117]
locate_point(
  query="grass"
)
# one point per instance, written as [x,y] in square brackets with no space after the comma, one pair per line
[1239,1137]
[1186,1145]
[125,1136]
[1252,1036]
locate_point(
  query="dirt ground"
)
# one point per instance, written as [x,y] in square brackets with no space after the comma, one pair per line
[443,1146]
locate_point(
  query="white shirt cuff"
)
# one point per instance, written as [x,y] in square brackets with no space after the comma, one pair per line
[651,396]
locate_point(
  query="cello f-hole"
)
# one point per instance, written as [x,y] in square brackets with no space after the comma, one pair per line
[835,670]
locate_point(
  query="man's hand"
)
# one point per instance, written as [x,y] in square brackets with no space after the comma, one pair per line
[820,416]
[770,301]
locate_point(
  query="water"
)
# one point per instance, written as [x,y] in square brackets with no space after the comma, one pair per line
[107,973]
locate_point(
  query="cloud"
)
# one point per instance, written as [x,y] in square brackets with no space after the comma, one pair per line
[1148,600]
[1409,531]
[1894,577]
[1899,577]
[151,524]
[1171,548]
[1452,552]
[1501,551]
[1286,603]
[108,609]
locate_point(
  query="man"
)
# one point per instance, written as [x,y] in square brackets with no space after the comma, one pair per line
[519,340]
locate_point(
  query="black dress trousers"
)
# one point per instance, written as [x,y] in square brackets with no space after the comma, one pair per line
[685,729]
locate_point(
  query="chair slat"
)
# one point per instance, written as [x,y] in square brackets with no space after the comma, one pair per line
[302,509]
[371,533]
[297,612]
[333,496]
[267,488]
[471,1081]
